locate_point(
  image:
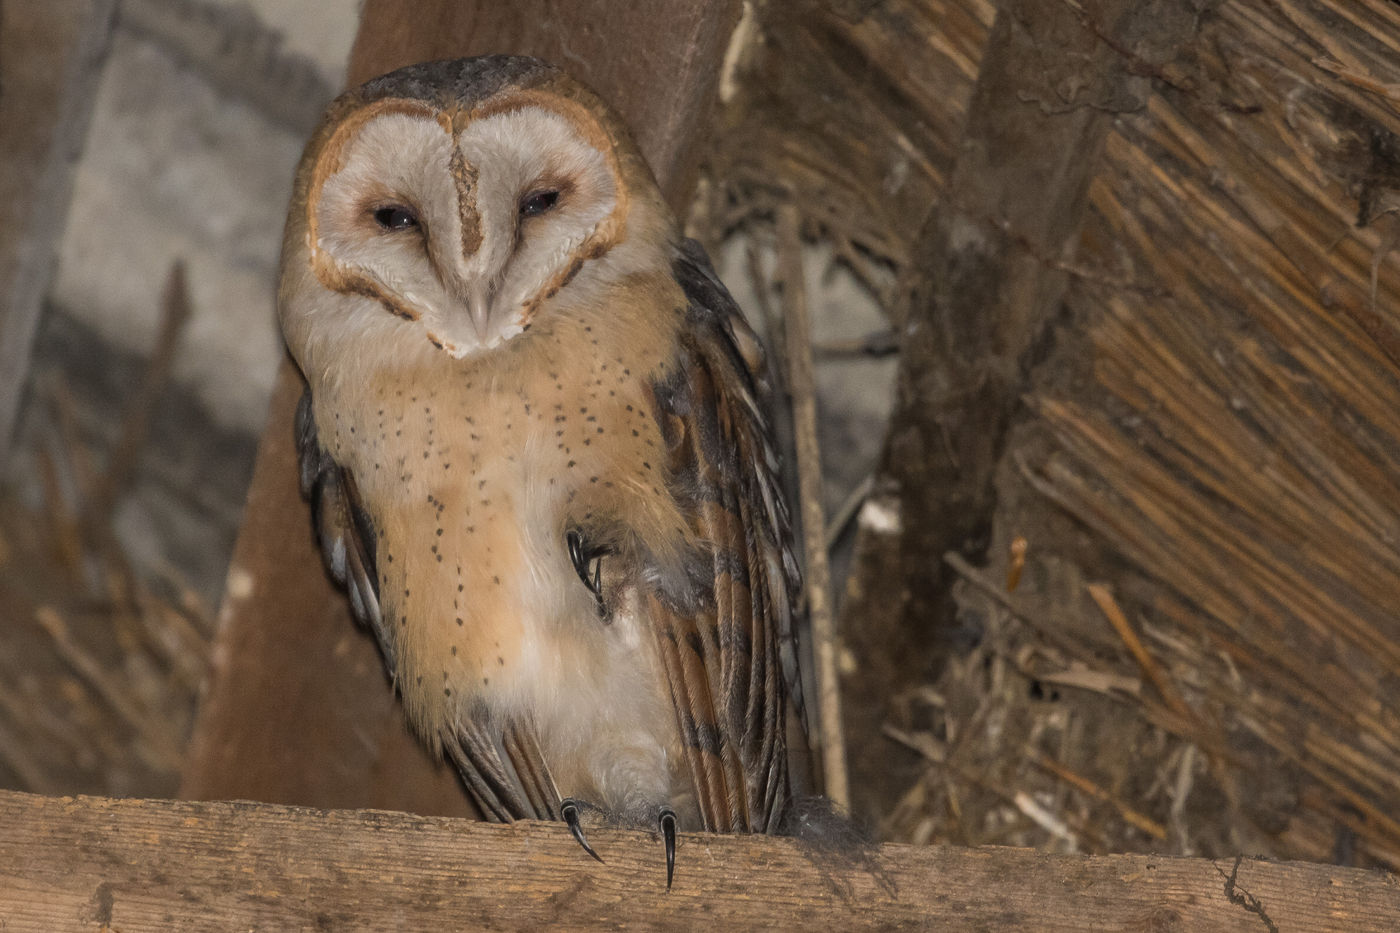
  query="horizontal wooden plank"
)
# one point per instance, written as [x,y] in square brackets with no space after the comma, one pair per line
[97,863]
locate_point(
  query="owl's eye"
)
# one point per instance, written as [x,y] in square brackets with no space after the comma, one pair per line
[395,217]
[537,202]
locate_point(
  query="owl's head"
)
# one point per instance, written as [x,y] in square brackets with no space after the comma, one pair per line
[456,201]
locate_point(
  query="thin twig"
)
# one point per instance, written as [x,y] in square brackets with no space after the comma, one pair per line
[802,385]
[163,747]
[874,345]
[1109,606]
[1143,822]
[136,424]
[847,512]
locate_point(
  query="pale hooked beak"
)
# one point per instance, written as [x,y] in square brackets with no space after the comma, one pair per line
[479,307]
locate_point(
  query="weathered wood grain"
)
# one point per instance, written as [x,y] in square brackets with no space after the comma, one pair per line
[99,863]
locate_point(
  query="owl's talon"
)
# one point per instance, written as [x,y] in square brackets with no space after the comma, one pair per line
[575,543]
[568,809]
[668,832]
[581,558]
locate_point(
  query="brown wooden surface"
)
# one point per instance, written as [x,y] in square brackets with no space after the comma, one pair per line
[100,863]
[298,709]
[51,53]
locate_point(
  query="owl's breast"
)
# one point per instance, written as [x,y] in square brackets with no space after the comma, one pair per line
[473,476]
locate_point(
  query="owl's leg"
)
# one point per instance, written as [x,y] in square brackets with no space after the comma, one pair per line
[568,809]
[667,821]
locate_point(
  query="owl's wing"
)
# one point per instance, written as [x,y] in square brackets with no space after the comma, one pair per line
[502,768]
[342,526]
[728,645]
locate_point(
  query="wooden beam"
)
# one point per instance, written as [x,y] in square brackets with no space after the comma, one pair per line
[100,863]
[298,709]
[51,55]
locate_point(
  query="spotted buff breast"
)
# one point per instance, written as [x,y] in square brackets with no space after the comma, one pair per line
[534,444]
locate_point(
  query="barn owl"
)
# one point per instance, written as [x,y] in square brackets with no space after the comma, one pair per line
[533,443]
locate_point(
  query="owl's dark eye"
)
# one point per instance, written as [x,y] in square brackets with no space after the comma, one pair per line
[537,202]
[395,217]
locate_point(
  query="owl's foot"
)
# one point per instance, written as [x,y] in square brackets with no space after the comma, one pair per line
[667,821]
[588,564]
[568,809]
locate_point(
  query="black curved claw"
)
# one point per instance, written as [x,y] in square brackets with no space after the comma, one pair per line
[581,557]
[668,832]
[575,542]
[568,809]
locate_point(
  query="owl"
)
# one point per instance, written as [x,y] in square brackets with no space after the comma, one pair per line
[537,459]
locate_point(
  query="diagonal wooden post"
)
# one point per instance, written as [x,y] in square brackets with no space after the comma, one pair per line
[298,709]
[51,60]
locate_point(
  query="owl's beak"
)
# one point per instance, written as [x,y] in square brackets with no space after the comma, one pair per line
[479,307]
